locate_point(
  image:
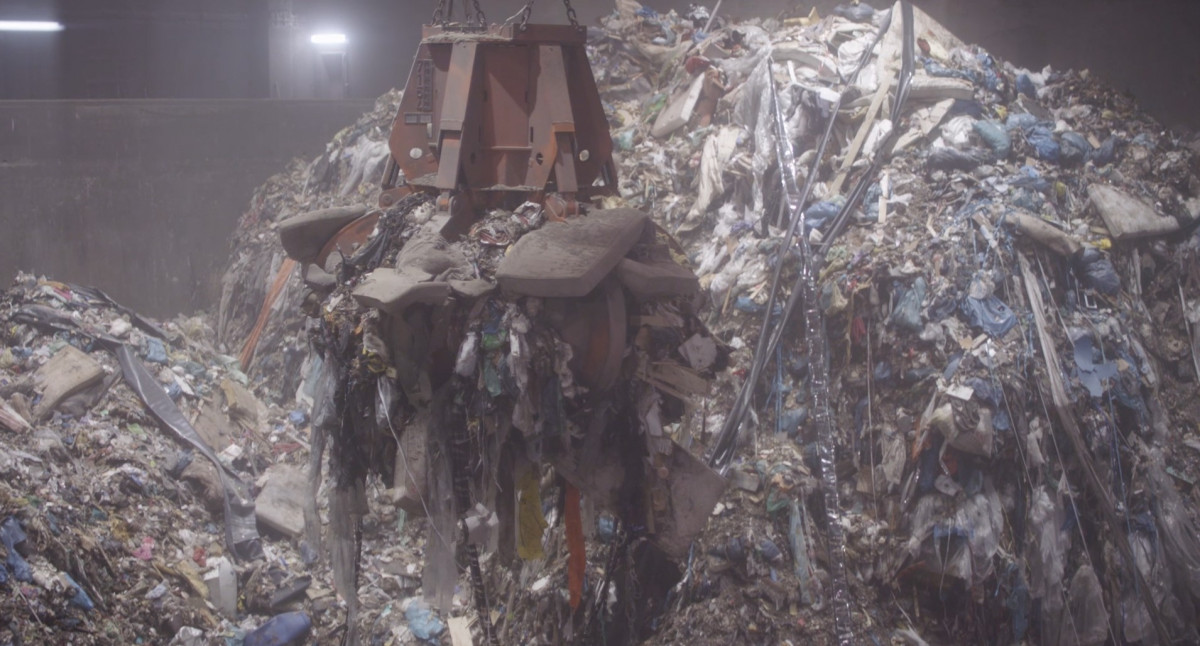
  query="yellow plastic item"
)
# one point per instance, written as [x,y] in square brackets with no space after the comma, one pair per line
[530,522]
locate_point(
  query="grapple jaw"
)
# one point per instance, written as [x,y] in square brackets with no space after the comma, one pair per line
[499,117]
[491,120]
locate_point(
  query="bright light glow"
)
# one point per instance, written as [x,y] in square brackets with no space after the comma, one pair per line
[328,39]
[29,25]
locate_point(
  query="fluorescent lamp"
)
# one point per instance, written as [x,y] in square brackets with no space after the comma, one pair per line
[328,39]
[29,25]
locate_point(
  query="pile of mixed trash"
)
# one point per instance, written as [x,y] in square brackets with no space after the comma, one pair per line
[260,311]
[980,345]
[945,358]
[137,469]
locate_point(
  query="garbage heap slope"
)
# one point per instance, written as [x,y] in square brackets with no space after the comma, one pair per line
[1005,269]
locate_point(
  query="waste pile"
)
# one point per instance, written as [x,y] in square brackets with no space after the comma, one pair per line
[259,315]
[963,298]
[950,352]
[137,470]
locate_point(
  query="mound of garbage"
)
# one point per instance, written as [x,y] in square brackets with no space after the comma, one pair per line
[981,339]
[137,468]
[942,348]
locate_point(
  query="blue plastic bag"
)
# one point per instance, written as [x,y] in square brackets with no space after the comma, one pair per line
[421,621]
[1022,120]
[907,314]
[1105,154]
[990,314]
[1026,86]
[818,214]
[1045,146]
[1075,148]
[1098,272]
[12,535]
[280,630]
[156,352]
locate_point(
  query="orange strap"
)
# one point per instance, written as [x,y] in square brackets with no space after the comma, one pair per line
[247,354]
[577,557]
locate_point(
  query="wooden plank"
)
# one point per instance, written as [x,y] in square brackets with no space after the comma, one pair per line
[869,120]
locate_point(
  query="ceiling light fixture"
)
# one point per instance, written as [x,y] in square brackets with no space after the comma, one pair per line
[30,25]
[328,39]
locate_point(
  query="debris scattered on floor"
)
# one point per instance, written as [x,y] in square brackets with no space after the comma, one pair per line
[972,418]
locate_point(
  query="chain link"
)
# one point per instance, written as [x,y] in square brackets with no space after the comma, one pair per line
[571,13]
[480,18]
[526,12]
[443,13]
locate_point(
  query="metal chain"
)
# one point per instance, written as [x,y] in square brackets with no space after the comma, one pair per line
[526,12]
[439,13]
[571,13]
[479,15]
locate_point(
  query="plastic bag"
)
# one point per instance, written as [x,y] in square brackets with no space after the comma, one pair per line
[422,622]
[934,68]
[802,553]
[1020,120]
[1086,623]
[1026,86]
[755,113]
[441,571]
[280,630]
[957,131]
[1046,559]
[12,535]
[1045,146]
[982,516]
[907,314]
[1098,272]
[948,159]
[1074,147]
[995,137]
[849,55]
[1139,627]
[861,12]
[323,419]
[1178,531]
[324,413]
[990,314]
[818,214]
[1105,154]
[1091,374]
[346,508]
[792,419]
[718,150]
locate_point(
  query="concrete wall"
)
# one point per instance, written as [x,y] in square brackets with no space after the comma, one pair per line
[139,198]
